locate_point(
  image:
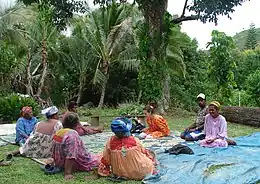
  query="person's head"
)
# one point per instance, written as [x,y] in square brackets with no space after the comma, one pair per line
[148,110]
[51,112]
[72,106]
[27,112]
[71,120]
[214,109]
[201,99]
[121,127]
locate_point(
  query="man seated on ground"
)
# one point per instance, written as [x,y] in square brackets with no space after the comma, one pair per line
[195,131]
[81,129]
[25,125]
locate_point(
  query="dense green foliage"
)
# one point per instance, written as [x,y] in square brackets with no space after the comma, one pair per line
[61,10]
[221,65]
[120,53]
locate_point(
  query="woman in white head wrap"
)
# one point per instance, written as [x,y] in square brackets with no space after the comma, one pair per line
[39,144]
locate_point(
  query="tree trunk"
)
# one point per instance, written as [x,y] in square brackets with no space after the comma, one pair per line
[80,93]
[242,115]
[44,64]
[102,96]
[103,89]
[164,103]
[29,89]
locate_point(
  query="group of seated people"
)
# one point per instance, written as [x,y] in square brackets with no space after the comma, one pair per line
[123,154]
[210,126]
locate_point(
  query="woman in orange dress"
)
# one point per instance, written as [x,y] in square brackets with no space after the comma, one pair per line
[158,126]
[124,156]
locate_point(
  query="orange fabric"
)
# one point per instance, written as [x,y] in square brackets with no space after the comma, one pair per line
[158,126]
[135,164]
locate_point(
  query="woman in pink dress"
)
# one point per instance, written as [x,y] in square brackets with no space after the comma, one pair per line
[215,128]
[68,150]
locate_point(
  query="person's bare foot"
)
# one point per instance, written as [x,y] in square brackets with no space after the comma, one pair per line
[231,142]
[100,128]
[5,163]
[15,153]
[68,177]
[49,161]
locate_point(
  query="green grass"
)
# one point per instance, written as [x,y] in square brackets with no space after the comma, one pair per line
[24,170]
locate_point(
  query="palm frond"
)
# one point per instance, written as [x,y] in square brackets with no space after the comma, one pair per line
[99,77]
[118,35]
[174,53]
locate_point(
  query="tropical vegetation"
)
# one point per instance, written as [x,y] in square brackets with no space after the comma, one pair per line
[122,52]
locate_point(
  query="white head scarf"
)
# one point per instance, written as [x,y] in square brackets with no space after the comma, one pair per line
[50,111]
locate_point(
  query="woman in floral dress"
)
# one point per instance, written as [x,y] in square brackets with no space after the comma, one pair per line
[39,143]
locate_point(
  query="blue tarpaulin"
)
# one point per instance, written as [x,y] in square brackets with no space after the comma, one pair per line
[233,165]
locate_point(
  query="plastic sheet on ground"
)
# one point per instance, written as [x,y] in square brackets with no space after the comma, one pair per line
[232,165]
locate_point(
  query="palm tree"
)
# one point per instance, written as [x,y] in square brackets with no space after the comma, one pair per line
[109,34]
[13,20]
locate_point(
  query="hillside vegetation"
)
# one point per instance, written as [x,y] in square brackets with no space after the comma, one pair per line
[240,38]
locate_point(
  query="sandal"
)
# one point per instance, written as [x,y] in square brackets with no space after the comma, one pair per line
[117,179]
[50,169]
[45,167]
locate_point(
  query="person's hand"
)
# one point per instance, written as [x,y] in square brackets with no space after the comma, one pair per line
[68,177]
[100,129]
[210,140]
[192,129]
[186,130]
[144,129]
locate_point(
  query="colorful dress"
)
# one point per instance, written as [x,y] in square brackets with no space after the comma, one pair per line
[215,128]
[39,145]
[158,126]
[127,158]
[24,128]
[68,145]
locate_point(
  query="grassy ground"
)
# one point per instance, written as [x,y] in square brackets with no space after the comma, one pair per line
[26,171]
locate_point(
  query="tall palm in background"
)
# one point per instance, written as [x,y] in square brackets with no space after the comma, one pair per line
[109,34]
[13,33]
[12,22]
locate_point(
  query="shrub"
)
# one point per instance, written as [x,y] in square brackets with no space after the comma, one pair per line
[11,105]
[131,109]
[253,86]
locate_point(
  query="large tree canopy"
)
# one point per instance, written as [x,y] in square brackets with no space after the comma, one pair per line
[205,10]
[62,9]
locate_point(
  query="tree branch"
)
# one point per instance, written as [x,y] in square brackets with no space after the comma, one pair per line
[184,8]
[185,18]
